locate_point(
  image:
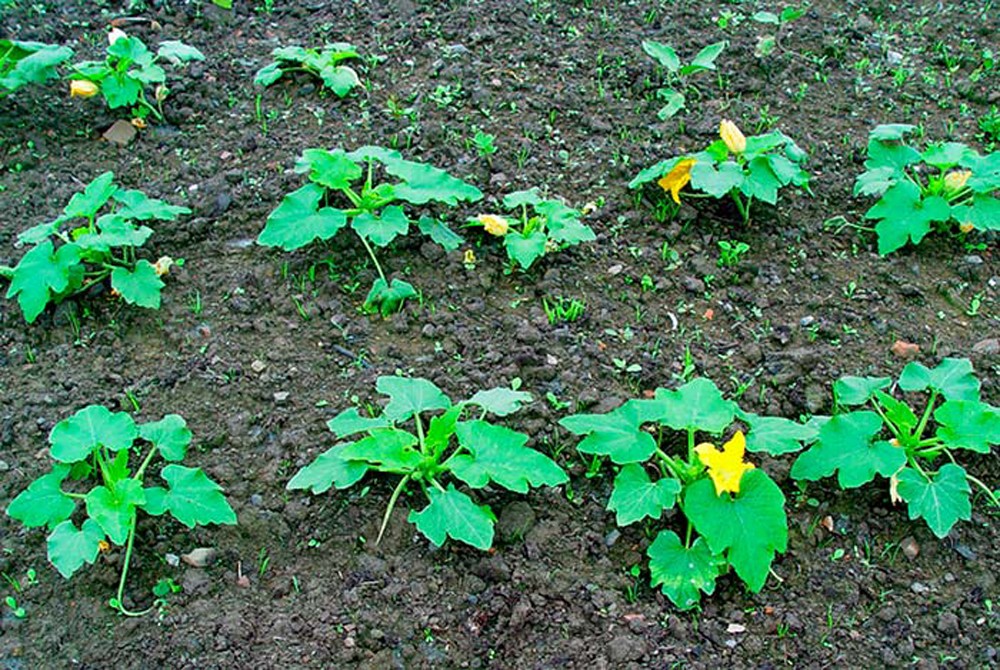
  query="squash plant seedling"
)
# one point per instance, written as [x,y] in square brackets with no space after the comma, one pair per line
[325,64]
[457,442]
[946,184]
[891,440]
[552,227]
[80,249]
[23,63]
[96,442]
[678,87]
[743,168]
[308,213]
[736,509]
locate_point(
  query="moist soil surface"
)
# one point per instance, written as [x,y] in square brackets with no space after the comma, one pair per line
[257,349]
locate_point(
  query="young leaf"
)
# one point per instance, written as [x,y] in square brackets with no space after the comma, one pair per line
[177,52]
[453,514]
[891,131]
[614,434]
[388,448]
[858,390]
[675,103]
[424,183]
[388,299]
[120,90]
[498,454]
[43,503]
[299,220]
[704,59]
[268,74]
[500,401]
[74,438]
[525,250]
[761,183]
[965,424]
[953,378]
[332,169]
[776,435]
[717,182]
[70,548]
[194,499]
[382,228]
[40,274]
[139,287]
[635,497]
[329,469]
[905,215]
[697,405]
[114,509]
[846,445]
[527,198]
[86,204]
[897,412]
[440,429]
[941,501]
[681,572]
[410,396]
[752,525]
[137,205]
[440,233]
[340,79]
[170,435]
[664,54]
[350,422]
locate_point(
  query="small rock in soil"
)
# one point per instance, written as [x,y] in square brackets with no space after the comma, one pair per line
[947,623]
[516,519]
[910,547]
[987,347]
[200,557]
[281,397]
[258,366]
[173,560]
[625,648]
[905,350]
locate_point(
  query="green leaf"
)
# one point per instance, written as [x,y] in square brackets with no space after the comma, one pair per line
[615,434]
[967,424]
[410,396]
[717,182]
[440,429]
[787,171]
[905,215]
[891,131]
[340,79]
[440,233]
[177,52]
[940,501]
[170,435]
[40,274]
[752,525]
[74,438]
[945,155]
[268,74]
[424,183]
[776,435]
[654,172]
[137,205]
[681,572]
[697,405]
[114,509]
[761,183]
[850,391]
[525,250]
[115,231]
[70,548]
[985,173]
[564,223]
[30,63]
[86,204]
[156,500]
[675,103]
[330,468]
[194,499]
[350,422]
[500,401]
[120,90]
[139,287]
[664,54]
[847,446]
[453,514]
[526,198]
[498,454]
[953,378]
[387,448]
[897,412]
[877,181]
[704,59]
[299,220]
[388,299]
[982,214]
[894,155]
[766,17]
[332,169]
[382,228]
[635,497]
[43,503]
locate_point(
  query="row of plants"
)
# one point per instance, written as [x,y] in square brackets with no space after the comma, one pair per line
[730,515]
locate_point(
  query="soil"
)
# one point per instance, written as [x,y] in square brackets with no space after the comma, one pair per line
[568,92]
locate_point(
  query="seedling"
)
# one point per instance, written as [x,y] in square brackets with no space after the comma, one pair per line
[324,64]
[308,214]
[948,185]
[98,443]
[484,146]
[560,309]
[743,168]
[766,44]
[122,77]
[736,509]
[80,249]
[731,253]
[15,609]
[481,453]
[678,87]
[553,226]
[852,443]
[23,63]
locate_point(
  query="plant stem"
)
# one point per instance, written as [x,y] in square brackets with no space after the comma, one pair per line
[985,488]
[145,463]
[690,446]
[118,604]
[744,210]
[371,253]
[919,432]
[392,503]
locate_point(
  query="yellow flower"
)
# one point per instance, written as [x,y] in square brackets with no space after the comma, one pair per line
[469,259]
[138,123]
[494,225]
[725,467]
[677,178]
[732,136]
[955,181]
[81,88]
[966,227]
[162,265]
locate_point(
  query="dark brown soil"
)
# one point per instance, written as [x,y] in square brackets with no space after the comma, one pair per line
[567,90]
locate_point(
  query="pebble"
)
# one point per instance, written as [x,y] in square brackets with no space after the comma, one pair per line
[612,537]
[200,557]
[947,623]
[616,269]
[807,321]
[972,259]
[173,560]
[258,366]
[281,397]
[919,588]
[987,347]
[910,547]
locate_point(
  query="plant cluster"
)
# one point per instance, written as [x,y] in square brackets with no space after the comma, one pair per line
[371,209]
[324,64]
[947,185]
[80,249]
[678,88]
[96,443]
[456,442]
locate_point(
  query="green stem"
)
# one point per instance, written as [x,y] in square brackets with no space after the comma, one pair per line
[985,488]
[671,464]
[919,432]
[117,603]
[392,503]
[420,433]
[892,427]
[371,253]
[145,463]
[690,459]
[744,209]
[687,535]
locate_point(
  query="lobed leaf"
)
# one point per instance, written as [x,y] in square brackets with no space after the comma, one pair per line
[408,397]
[114,508]
[858,390]
[453,514]
[332,169]
[381,228]
[299,220]
[440,233]
[350,422]
[331,468]
[140,286]
[846,445]
[385,448]
[137,205]
[776,435]
[968,424]
[501,401]
[388,298]
[905,215]
[95,195]
[697,405]
[194,499]
[170,435]
[498,454]
[525,249]
[953,378]
[982,214]
[42,273]
[940,500]
[617,434]
[682,572]
[69,548]
[74,438]
[636,497]
[716,181]
[177,52]
[43,503]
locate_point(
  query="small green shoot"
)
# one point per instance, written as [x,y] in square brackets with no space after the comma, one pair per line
[325,64]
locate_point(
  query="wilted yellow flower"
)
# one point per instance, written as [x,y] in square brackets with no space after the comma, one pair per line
[677,178]
[160,93]
[469,259]
[138,123]
[725,467]
[494,225]
[115,34]
[589,208]
[81,88]
[732,136]
[966,227]
[163,265]
[954,181]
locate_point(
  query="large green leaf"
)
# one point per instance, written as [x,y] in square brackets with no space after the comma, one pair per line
[635,497]
[761,183]
[332,169]
[664,54]
[847,446]
[30,63]
[940,501]
[615,434]
[95,195]
[194,499]
[74,438]
[388,298]
[299,220]
[43,503]
[751,526]
[697,405]
[953,378]
[330,468]
[424,183]
[776,435]
[177,52]
[140,286]
[440,233]
[716,181]
[858,390]
[498,454]
[410,396]
[350,422]
[40,274]
[388,448]
[114,508]
[681,572]
[905,215]
[69,548]
[453,514]
[525,250]
[500,401]
[170,435]
[982,214]
[137,205]
[382,228]
[967,424]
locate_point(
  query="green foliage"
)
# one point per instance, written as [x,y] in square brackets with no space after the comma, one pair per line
[23,63]
[551,226]
[92,248]
[98,443]
[678,87]
[129,68]
[893,441]
[334,200]
[446,439]
[741,524]
[944,187]
[324,64]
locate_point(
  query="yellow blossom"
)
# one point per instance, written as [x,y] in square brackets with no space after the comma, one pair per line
[955,181]
[725,467]
[162,265]
[81,88]
[138,123]
[677,178]
[732,136]
[494,225]
[470,259]
[966,227]
[103,546]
